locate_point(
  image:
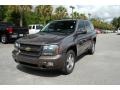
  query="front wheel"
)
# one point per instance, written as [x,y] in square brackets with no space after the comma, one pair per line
[4,39]
[69,62]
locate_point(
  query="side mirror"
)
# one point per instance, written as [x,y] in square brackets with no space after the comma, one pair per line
[81,31]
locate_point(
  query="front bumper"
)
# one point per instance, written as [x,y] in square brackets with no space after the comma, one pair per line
[42,62]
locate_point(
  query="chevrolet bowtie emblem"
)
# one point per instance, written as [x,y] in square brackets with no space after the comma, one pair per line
[28,49]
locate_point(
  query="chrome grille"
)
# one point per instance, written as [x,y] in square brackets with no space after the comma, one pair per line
[33,50]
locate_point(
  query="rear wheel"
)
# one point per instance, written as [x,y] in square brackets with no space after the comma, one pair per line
[4,39]
[92,48]
[69,62]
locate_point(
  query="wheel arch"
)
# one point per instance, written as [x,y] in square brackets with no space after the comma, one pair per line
[74,48]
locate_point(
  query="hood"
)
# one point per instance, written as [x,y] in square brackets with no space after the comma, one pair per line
[42,38]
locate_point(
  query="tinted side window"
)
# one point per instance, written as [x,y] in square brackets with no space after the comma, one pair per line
[87,26]
[81,25]
[33,27]
[37,27]
[92,27]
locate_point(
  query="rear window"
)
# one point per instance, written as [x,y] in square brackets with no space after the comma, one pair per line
[6,24]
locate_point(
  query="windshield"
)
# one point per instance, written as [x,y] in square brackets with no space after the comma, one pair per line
[60,27]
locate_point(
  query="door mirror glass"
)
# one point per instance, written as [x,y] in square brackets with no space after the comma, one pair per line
[81,31]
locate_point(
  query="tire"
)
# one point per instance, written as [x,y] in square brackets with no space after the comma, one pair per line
[69,62]
[4,39]
[91,51]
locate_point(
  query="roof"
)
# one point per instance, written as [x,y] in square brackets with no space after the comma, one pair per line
[35,24]
[70,20]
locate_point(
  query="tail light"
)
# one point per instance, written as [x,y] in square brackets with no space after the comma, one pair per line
[10,30]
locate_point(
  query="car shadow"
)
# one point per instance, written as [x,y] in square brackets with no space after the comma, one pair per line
[43,73]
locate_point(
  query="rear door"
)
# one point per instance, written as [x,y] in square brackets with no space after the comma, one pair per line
[34,29]
[89,27]
[31,29]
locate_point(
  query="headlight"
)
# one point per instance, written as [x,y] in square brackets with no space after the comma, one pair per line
[17,45]
[50,50]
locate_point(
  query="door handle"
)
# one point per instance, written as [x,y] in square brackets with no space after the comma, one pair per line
[84,40]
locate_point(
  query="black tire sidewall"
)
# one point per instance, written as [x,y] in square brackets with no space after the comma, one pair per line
[90,51]
[65,70]
[4,41]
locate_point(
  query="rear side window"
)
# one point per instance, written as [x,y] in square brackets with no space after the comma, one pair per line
[37,27]
[33,27]
[88,26]
[91,25]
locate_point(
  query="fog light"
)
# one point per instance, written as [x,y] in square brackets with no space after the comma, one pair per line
[18,52]
[50,64]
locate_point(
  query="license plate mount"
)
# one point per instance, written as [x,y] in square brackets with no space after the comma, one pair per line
[14,36]
[21,35]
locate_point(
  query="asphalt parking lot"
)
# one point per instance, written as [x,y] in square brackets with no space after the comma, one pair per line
[101,68]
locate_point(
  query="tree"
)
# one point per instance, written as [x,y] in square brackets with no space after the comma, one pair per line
[82,16]
[3,9]
[98,23]
[44,12]
[19,10]
[75,15]
[116,22]
[31,18]
[60,12]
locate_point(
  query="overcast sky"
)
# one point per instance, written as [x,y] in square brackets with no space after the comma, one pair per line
[106,13]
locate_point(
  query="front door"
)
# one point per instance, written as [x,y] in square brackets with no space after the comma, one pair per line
[81,38]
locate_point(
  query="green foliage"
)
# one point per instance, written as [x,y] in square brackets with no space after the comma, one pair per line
[42,14]
[60,13]
[16,13]
[116,22]
[12,17]
[31,18]
[77,15]
[98,23]
[3,10]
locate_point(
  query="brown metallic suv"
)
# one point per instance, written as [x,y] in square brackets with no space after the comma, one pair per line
[56,46]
